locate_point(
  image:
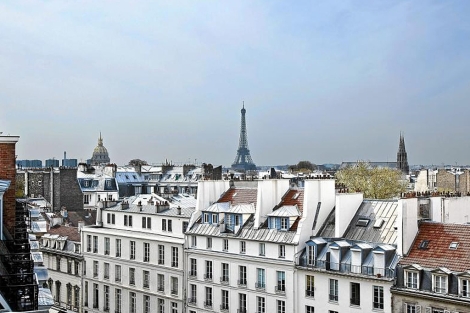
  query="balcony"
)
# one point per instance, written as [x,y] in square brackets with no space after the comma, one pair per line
[208,277]
[241,283]
[224,280]
[224,307]
[348,268]
[280,289]
[260,285]
[208,304]
[310,293]
[192,301]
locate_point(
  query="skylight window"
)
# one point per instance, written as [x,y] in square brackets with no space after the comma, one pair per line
[453,245]
[296,196]
[424,244]
[378,223]
[362,222]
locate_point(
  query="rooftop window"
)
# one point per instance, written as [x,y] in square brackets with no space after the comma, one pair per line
[424,244]
[296,195]
[378,223]
[453,245]
[362,222]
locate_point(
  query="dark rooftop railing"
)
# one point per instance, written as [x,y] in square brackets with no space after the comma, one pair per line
[348,268]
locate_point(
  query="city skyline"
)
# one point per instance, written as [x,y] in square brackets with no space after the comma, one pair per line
[324,82]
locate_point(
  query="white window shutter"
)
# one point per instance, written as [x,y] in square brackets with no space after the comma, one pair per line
[418,308]
[428,309]
[404,307]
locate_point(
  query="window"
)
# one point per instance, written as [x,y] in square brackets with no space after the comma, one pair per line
[281,281]
[118,248]
[209,243]
[355,294]
[96,296]
[170,226]
[106,270]
[85,301]
[146,252]
[117,300]
[423,244]
[185,226]
[193,241]
[106,245]
[161,306]
[146,304]
[163,224]
[95,269]
[192,293]
[86,198]
[281,306]
[242,247]
[261,278]
[309,286]
[208,274]
[69,266]
[225,245]
[242,275]
[160,282]
[215,218]
[333,290]
[440,283]
[174,256]
[106,298]
[76,296]
[117,273]
[88,240]
[130,220]
[174,307]
[378,297]
[57,290]
[132,302]
[282,251]
[310,255]
[262,249]
[69,294]
[125,220]
[146,279]
[95,244]
[225,301]
[465,287]
[132,276]
[411,308]
[77,267]
[146,222]
[284,223]
[208,299]
[174,285]
[309,309]
[132,247]
[260,305]
[242,302]
[453,245]
[225,273]
[411,279]
[161,254]
[193,267]
[205,218]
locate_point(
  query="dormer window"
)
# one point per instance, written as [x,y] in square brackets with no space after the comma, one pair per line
[205,218]
[284,223]
[215,218]
[310,255]
[411,279]
[439,283]
[464,287]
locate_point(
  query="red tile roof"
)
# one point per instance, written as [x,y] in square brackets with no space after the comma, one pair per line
[288,198]
[437,254]
[71,232]
[240,196]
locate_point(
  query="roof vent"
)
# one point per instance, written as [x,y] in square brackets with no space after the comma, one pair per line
[378,223]
[423,245]
[453,245]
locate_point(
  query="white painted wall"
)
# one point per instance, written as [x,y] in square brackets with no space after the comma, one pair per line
[319,190]
[421,183]
[346,207]
[457,210]
[407,224]
[269,195]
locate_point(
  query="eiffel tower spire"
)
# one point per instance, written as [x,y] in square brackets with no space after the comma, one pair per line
[402,157]
[243,159]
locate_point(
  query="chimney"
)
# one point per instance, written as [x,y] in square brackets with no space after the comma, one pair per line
[98,216]
[140,206]
[178,210]
[124,205]
[80,225]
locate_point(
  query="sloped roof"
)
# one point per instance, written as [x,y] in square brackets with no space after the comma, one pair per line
[437,253]
[293,197]
[237,195]
[286,211]
[70,232]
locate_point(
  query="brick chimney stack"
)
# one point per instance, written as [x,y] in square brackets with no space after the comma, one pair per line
[8,172]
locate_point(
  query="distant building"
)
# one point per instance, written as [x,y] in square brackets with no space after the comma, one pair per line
[52,163]
[100,154]
[28,163]
[402,157]
[97,184]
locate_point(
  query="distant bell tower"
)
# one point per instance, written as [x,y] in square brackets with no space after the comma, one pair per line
[402,158]
[243,159]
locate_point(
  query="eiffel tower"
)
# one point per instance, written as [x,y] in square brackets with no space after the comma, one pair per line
[243,161]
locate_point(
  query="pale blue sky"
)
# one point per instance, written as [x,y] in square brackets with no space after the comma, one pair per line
[325,81]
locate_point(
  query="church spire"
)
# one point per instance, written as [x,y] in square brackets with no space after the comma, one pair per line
[100,140]
[402,157]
